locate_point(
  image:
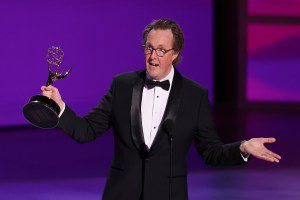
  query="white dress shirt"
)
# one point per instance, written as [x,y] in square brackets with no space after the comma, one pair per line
[153,106]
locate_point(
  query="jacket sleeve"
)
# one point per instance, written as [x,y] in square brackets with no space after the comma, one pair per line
[89,127]
[209,144]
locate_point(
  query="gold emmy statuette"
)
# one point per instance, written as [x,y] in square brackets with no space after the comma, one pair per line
[42,111]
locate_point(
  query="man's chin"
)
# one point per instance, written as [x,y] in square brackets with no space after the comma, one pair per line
[153,73]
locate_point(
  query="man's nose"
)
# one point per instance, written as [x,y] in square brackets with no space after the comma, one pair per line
[153,54]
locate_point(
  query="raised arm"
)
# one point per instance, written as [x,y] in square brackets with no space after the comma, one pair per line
[89,127]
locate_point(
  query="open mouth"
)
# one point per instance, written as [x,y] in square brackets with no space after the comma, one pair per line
[153,64]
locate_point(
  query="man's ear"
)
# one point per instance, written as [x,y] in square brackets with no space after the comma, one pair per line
[174,56]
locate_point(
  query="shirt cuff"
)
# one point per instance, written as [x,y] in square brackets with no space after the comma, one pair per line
[62,110]
[245,157]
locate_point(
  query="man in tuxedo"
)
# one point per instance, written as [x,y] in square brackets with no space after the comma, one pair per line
[156,115]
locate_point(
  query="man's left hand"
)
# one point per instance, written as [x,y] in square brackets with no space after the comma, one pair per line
[255,147]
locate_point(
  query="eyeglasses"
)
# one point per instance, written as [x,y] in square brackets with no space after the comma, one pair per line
[159,51]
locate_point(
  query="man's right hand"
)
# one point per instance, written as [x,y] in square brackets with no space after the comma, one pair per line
[53,93]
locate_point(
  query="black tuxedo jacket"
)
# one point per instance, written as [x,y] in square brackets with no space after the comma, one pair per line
[188,108]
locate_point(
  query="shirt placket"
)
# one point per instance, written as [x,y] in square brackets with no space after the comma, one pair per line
[155,113]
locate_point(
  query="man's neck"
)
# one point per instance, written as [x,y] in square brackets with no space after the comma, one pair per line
[168,76]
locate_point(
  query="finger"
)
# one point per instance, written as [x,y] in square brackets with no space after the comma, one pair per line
[273,154]
[46,88]
[269,140]
[275,159]
[268,158]
[265,157]
[43,88]
[50,88]
[47,94]
[272,157]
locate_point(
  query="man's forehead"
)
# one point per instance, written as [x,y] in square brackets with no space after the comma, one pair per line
[160,38]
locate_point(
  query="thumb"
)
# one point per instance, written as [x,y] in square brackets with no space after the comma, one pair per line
[47,88]
[269,140]
[43,88]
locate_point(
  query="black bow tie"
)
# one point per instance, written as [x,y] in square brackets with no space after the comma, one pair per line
[151,84]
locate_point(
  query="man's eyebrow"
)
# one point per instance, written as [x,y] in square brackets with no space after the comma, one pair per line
[160,46]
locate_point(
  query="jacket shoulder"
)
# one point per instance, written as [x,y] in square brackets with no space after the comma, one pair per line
[192,85]
[128,77]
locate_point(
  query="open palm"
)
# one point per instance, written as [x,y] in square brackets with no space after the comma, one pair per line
[256,147]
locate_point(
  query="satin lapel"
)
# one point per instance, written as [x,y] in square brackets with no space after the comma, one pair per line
[135,112]
[171,110]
